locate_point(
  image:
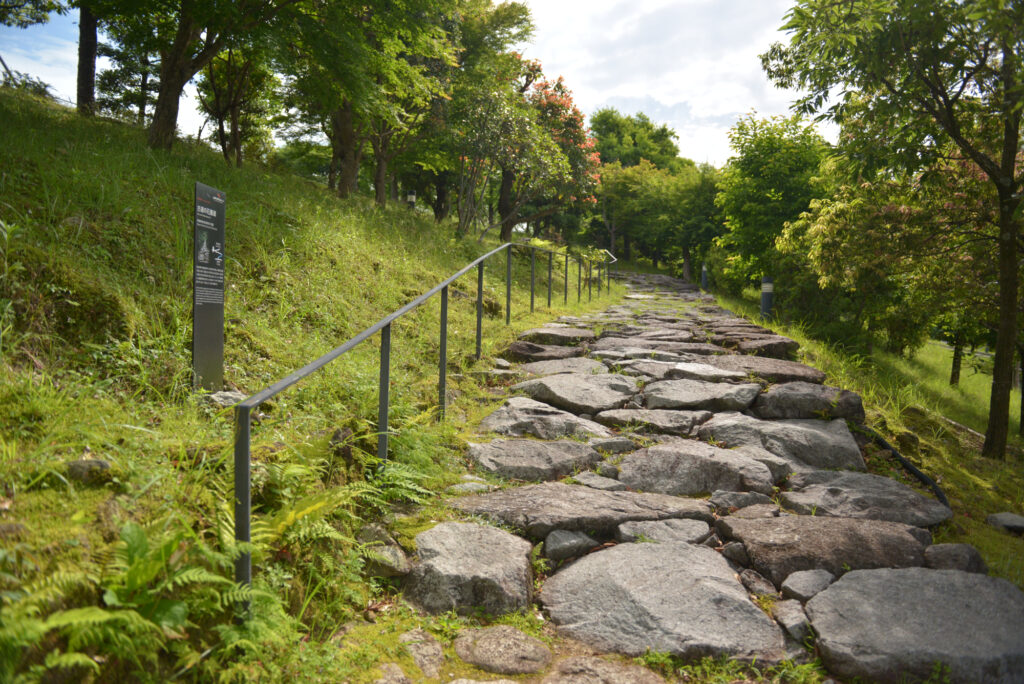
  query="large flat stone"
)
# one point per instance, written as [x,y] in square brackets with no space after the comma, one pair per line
[522,350]
[699,395]
[502,649]
[557,335]
[529,459]
[655,420]
[808,400]
[817,443]
[574,365]
[581,393]
[674,598]
[521,416]
[664,531]
[896,625]
[464,566]
[622,343]
[691,370]
[766,368]
[538,509]
[593,670]
[687,468]
[778,547]
[861,495]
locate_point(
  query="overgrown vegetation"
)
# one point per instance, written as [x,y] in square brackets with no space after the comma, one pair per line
[129,573]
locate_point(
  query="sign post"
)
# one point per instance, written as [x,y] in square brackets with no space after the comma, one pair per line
[208,289]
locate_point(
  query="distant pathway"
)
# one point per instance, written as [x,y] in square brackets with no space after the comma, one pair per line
[698,493]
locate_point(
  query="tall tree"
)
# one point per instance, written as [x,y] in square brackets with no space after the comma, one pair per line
[629,138]
[931,72]
[86,83]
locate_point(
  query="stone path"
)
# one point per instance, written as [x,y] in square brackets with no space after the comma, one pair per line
[676,463]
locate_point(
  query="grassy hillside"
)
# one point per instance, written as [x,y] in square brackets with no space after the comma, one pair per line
[125,577]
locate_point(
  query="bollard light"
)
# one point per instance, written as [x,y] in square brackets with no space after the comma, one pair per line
[704,277]
[767,296]
[410,198]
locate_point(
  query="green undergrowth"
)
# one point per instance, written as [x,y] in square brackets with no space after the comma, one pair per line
[911,403]
[129,576]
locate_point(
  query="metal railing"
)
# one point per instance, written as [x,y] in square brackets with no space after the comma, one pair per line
[244,409]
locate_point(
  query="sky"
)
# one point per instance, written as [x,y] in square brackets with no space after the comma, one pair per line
[690,64]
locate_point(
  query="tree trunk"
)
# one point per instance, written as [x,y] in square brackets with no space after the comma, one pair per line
[442,202]
[236,136]
[222,138]
[1006,334]
[175,72]
[345,148]
[86,61]
[380,178]
[687,265]
[958,358]
[1020,357]
[506,210]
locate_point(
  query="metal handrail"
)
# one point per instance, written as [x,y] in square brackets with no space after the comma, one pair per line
[244,409]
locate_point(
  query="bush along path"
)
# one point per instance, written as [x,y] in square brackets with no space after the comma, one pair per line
[623,425]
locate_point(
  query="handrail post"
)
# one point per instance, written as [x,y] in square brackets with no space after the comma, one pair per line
[599,279]
[508,285]
[565,281]
[384,392]
[551,258]
[533,272]
[442,376]
[243,497]
[579,279]
[479,307]
[590,280]
[608,280]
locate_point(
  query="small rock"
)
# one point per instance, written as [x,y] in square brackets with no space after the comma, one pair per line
[503,650]
[562,544]
[469,488]
[735,552]
[89,471]
[609,470]
[596,481]
[756,583]
[663,531]
[790,615]
[593,670]
[386,561]
[227,398]
[529,352]
[425,651]
[1011,522]
[721,498]
[392,675]
[712,542]
[471,478]
[955,557]
[802,585]
[502,364]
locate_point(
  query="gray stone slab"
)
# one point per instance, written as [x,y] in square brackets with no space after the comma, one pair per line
[616,600]
[538,509]
[816,443]
[529,459]
[781,546]
[557,335]
[861,495]
[574,365]
[791,617]
[765,368]
[701,371]
[955,557]
[595,481]
[687,467]
[729,499]
[562,544]
[593,670]
[808,400]
[699,395]
[524,351]
[895,625]
[521,416]
[663,421]
[465,566]
[663,531]
[502,649]
[581,393]
[426,652]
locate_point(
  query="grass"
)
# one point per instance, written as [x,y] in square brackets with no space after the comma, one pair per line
[905,397]
[95,316]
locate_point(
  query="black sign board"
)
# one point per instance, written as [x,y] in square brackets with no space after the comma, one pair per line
[208,289]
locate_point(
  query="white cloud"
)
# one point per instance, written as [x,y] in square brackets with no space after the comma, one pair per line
[690,64]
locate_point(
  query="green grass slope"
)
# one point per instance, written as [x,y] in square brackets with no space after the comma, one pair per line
[128,577]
